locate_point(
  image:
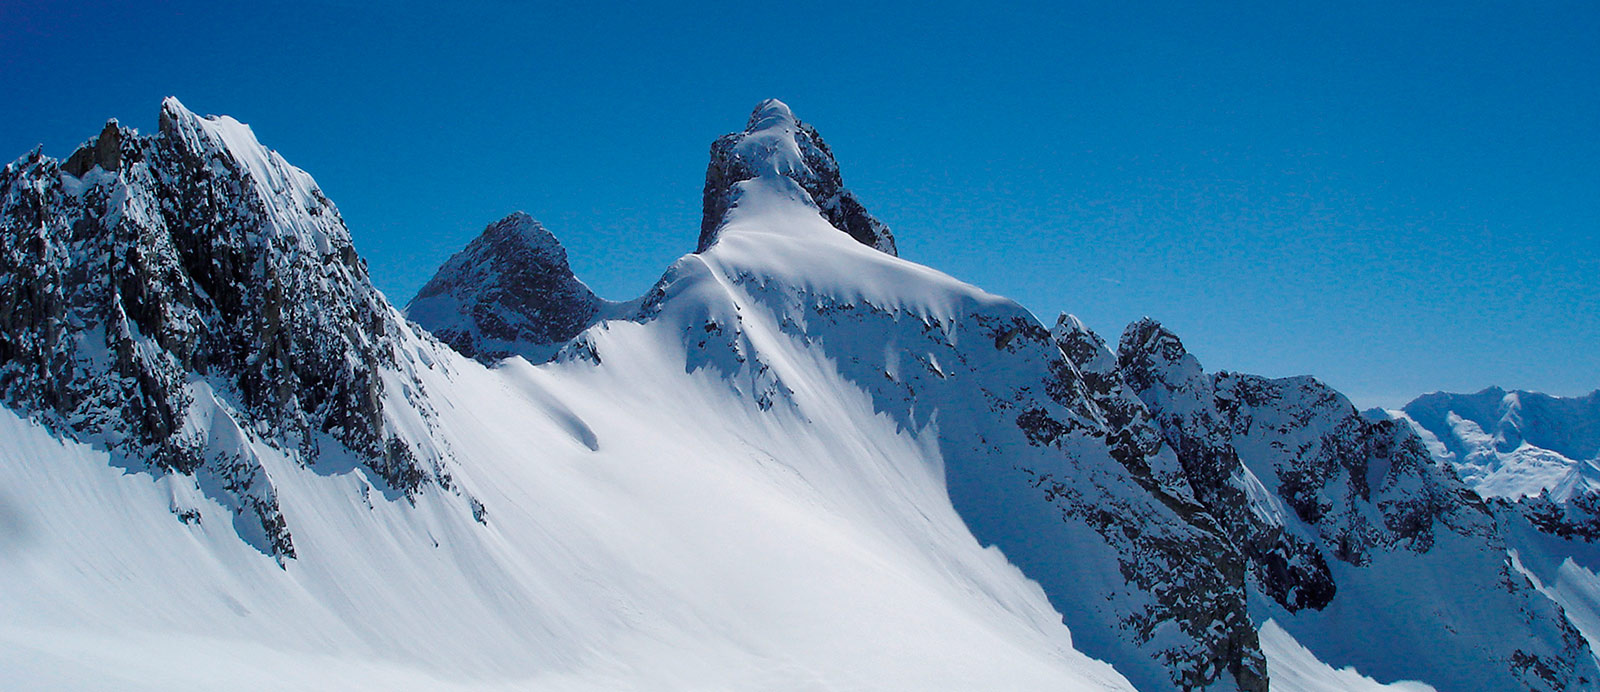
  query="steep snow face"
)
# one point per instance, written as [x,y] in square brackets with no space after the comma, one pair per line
[1410,551]
[173,297]
[509,292]
[636,526]
[1514,444]
[776,145]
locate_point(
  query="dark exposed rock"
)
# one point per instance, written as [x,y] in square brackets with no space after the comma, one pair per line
[817,173]
[1289,569]
[1365,494]
[149,265]
[1132,434]
[1577,518]
[104,151]
[509,292]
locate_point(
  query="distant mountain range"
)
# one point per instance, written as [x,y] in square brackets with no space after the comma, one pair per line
[1513,444]
[799,461]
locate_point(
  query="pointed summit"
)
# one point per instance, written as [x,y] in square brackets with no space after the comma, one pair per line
[509,292]
[104,151]
[198,256]
[776,143]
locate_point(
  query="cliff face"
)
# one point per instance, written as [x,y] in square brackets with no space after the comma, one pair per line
[152,276]
[1342,518]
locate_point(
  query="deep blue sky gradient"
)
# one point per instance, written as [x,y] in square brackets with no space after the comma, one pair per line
[1395,197]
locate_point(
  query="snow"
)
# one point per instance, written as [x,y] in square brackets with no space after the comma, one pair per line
[1295,669]
[770,141]
[657,517]
[608,559]
[1513,444]
[291,189]
[796,464]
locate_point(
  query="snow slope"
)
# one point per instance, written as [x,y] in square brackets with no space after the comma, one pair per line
[595,568]
[799,462]
[1533,457]
[636,524]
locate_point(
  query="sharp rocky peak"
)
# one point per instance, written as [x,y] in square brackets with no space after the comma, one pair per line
[776,143]
[155,282]
[1319,498]
[509,292]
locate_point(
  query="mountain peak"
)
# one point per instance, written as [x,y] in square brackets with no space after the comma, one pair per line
[776,144]
[520,228]
[1147,337]
[771,113]
[214,280]
[103,151]
[509,292]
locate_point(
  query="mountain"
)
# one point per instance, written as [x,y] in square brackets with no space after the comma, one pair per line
[775,142]
[509,292]
[1532,457]
[1362,505]
[175,297]
[655,508]
[798,461]
[1514,444]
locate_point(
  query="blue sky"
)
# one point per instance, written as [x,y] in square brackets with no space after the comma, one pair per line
[1397,198]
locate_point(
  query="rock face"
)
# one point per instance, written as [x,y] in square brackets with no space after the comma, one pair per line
[1331,508]
[509,292]
[1187,412]
[172,296]
[774,140]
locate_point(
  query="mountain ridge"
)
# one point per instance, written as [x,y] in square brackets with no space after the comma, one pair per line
[794,426]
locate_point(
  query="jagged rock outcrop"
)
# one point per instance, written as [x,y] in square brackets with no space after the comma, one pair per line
[174,296]
[775,140]
[1133,434]
[1308,466]
[1170,382]
[509,292]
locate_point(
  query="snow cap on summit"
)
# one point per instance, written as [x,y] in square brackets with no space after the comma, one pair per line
[774,145]
[770,113]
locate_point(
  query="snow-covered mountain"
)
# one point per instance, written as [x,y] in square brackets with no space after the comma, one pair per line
[1363,506]
[1532,457]
[173,298]
[510,292]
[798,462]
[1514,444]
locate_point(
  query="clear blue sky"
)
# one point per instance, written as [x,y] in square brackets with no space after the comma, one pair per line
[1395,198]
